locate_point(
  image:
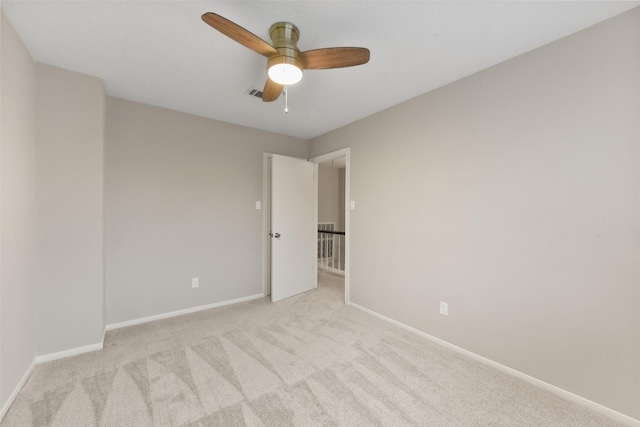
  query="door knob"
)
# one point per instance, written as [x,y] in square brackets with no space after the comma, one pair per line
[277,235]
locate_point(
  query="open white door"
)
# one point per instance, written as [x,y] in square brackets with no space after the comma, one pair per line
[293,228]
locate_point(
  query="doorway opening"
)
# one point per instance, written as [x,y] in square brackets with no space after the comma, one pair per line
[334,218]
[341,246]
[331,223]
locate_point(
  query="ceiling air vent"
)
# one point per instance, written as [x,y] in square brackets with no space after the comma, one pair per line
[254,92]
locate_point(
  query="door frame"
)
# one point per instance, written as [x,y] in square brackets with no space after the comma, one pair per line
[266,221]
[346,153]
[266,216]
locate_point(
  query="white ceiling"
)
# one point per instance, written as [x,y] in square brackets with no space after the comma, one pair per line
[161,53]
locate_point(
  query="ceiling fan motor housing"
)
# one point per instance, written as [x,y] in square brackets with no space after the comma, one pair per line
[284,37]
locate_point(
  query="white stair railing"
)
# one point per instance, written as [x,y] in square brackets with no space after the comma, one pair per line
[330,248]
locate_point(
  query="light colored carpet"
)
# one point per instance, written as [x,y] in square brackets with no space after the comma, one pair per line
[305,361]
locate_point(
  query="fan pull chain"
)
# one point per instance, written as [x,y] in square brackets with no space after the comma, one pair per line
[286,100]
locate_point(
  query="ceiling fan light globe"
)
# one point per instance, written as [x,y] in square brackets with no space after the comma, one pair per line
[285,74]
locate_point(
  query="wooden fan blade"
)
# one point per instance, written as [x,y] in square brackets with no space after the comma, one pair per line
[272,91]
[239,34]
[335,57]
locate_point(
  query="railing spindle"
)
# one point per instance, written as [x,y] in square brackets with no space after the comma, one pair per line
[327,242]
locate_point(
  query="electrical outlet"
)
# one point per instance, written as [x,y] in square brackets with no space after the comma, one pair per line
[444,308]
[194,282]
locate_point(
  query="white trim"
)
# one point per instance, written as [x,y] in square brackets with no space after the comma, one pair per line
[99,346]
[315,224]
[266,223]
[141,320]
[527,378]
[17,390]
[347,227]
[68,353]
[344,152]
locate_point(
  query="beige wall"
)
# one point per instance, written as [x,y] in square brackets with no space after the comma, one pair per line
[341,196]
[513,196]
[180,195]
[69,270]
[52,288]
[328,195]
[18,211]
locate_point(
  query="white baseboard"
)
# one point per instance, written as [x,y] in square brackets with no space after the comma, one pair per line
[531,380]
[133,322]
[16,390]
[68,353]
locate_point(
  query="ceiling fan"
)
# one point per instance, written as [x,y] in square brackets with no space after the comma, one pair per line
[285,62]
